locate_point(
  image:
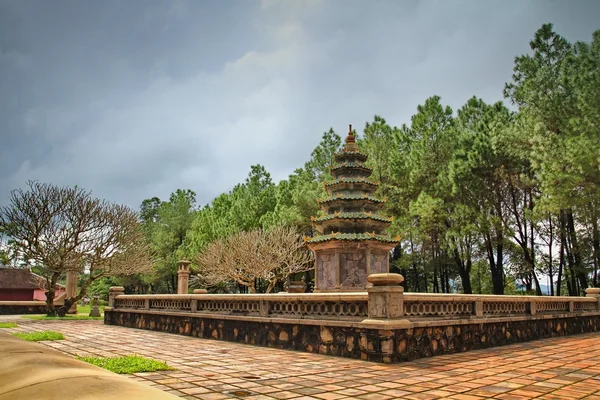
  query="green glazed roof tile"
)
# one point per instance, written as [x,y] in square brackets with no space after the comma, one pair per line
[350,237]
[351,197]
[351,180]
[353,215]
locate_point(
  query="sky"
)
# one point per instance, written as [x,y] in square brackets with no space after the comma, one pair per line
[133,99]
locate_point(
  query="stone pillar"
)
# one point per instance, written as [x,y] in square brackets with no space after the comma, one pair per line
[200,291]
[95,311]
[593,292]
[72,290]
[386,312]
[183,277]
[113,292]
[386,296]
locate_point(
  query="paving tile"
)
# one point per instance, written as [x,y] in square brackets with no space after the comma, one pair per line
[558,368]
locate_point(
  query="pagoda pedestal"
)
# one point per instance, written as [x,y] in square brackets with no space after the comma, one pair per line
[344,267]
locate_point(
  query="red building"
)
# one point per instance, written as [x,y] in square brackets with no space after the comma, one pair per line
[18,284]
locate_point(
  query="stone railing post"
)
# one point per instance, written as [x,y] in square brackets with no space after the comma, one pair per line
[593,292]
[113,292]
[194,304]
[533,307]
[263,308]
[479,308]
[386,298]
[183,277]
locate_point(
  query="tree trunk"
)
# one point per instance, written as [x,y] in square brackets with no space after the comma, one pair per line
[579,270]
[495,261]
[561,262]
[463,271]
[596,246]
[50,294]
[414,265]
[550,243]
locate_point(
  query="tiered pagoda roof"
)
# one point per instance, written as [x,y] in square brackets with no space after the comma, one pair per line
[351,208]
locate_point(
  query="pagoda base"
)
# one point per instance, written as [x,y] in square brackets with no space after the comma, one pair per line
[343,266]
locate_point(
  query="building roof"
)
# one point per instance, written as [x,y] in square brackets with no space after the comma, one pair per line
[21,278]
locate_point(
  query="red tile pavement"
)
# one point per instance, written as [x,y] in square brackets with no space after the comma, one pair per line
[559,368]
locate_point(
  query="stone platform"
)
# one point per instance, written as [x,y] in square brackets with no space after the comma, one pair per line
[557,368]
[383,325]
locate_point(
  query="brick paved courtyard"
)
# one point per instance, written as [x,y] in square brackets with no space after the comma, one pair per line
[561,368]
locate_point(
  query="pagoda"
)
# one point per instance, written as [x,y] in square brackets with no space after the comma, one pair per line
[351,242]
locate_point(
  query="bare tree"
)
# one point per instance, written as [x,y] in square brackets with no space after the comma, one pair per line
[289,255]
[63,229]
[246,257]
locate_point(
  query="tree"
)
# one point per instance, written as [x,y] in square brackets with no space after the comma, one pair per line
[166,225]
[322,156]
[62,229]
[249,256]
[556,90]
[378,143]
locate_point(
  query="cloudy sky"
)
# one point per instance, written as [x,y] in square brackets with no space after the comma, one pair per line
[134,99]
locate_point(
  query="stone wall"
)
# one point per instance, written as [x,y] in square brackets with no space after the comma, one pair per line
[22,307]
[361,342]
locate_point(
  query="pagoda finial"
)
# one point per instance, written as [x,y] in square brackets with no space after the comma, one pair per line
[350,138]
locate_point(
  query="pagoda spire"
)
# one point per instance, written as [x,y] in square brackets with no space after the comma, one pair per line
[350,141]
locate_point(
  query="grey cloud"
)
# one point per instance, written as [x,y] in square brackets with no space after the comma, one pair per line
[136,99]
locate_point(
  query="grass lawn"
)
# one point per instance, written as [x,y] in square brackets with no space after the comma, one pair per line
[68,317]
[86,309]
[38,336]
[83,314]
[8,325]
[127,364]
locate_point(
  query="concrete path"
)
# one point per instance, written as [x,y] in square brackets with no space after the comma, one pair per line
[561,368]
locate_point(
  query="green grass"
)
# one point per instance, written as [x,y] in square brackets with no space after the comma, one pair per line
[130,364]
[8,325]
[86,309]
[38,336]
[68,317]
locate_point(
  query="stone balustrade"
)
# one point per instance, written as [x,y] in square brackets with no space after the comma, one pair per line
[382,325]
[381,302]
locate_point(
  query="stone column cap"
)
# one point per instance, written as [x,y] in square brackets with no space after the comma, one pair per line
[116,289]
[200,291]
[385,279]
[592,292]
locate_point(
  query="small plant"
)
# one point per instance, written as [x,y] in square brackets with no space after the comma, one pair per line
[130,364]
[39,336]
[77,317]
[8,325]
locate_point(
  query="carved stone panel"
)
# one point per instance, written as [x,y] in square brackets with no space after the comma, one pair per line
[353,270]
[379,263]
[326,270]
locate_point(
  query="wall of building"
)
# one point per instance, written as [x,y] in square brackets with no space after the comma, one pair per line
[22,307]
[16,294]
[40,294]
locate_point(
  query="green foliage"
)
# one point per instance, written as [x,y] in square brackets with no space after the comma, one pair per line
[322,156]
[129,364]
[40,336]
[166,224]
[8,325]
